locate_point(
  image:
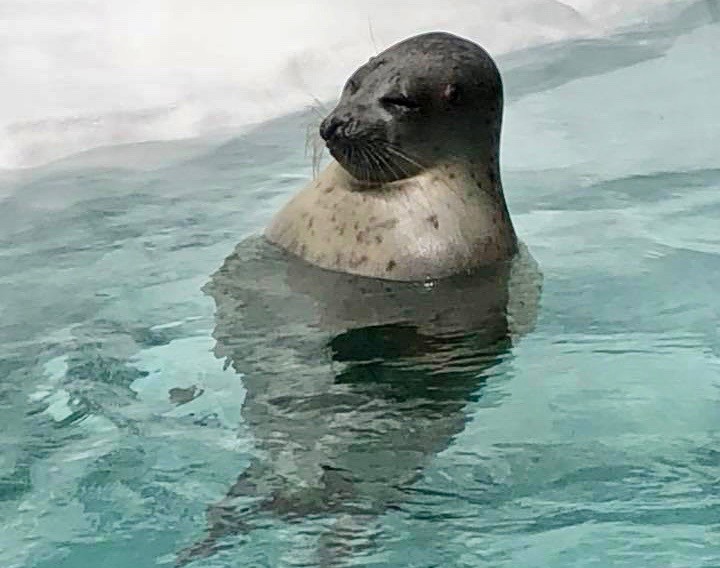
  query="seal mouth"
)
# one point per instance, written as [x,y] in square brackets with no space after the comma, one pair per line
[374,161]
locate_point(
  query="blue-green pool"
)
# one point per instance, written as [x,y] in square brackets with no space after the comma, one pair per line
[593,441]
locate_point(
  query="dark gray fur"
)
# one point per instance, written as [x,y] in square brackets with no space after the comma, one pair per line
[435,96]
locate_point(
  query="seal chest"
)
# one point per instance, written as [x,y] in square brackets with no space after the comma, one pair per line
[414,191]
[435,224]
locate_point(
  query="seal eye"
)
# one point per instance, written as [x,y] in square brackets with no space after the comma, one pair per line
[399,102]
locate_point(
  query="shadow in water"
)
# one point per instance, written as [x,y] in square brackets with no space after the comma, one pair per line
[353,384]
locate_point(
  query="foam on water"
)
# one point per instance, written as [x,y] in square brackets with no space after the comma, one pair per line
[78,74]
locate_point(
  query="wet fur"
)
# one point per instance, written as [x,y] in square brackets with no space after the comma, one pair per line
[358,375]
[445,221]
[414,191]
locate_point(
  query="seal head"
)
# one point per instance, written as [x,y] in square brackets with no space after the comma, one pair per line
[414,191]
[427,99]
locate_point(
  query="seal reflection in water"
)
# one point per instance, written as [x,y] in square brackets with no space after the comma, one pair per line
[388,289]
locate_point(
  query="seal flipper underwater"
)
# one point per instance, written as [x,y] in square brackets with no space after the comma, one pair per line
[360,354]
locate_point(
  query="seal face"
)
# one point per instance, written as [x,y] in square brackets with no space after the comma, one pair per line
[414,191]
[430,98]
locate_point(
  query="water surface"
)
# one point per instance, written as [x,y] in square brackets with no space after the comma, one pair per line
[592,441]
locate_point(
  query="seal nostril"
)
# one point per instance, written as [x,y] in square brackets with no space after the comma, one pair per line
[329,127]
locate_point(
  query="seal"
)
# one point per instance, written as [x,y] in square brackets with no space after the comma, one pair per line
[414,190]
[357,370]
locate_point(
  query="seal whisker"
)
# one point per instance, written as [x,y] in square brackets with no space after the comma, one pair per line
[372,35]
[405,173]
[408,166]
[319,107]
[364,166]
[402,154]
[367,168]
[315,147]
[395,167]
[350,155]
[373,160]
[385,167]
[399,171]
[374,166]
[361,165]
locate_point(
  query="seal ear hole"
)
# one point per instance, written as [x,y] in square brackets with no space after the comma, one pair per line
[399,101]
[451,93]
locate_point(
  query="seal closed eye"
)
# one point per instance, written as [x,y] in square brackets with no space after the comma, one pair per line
[414,190]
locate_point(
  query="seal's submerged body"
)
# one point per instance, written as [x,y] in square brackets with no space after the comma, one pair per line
[415,191]
[358,375]
[353,384]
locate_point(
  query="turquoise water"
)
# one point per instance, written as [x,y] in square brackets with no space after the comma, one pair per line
[594,440]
